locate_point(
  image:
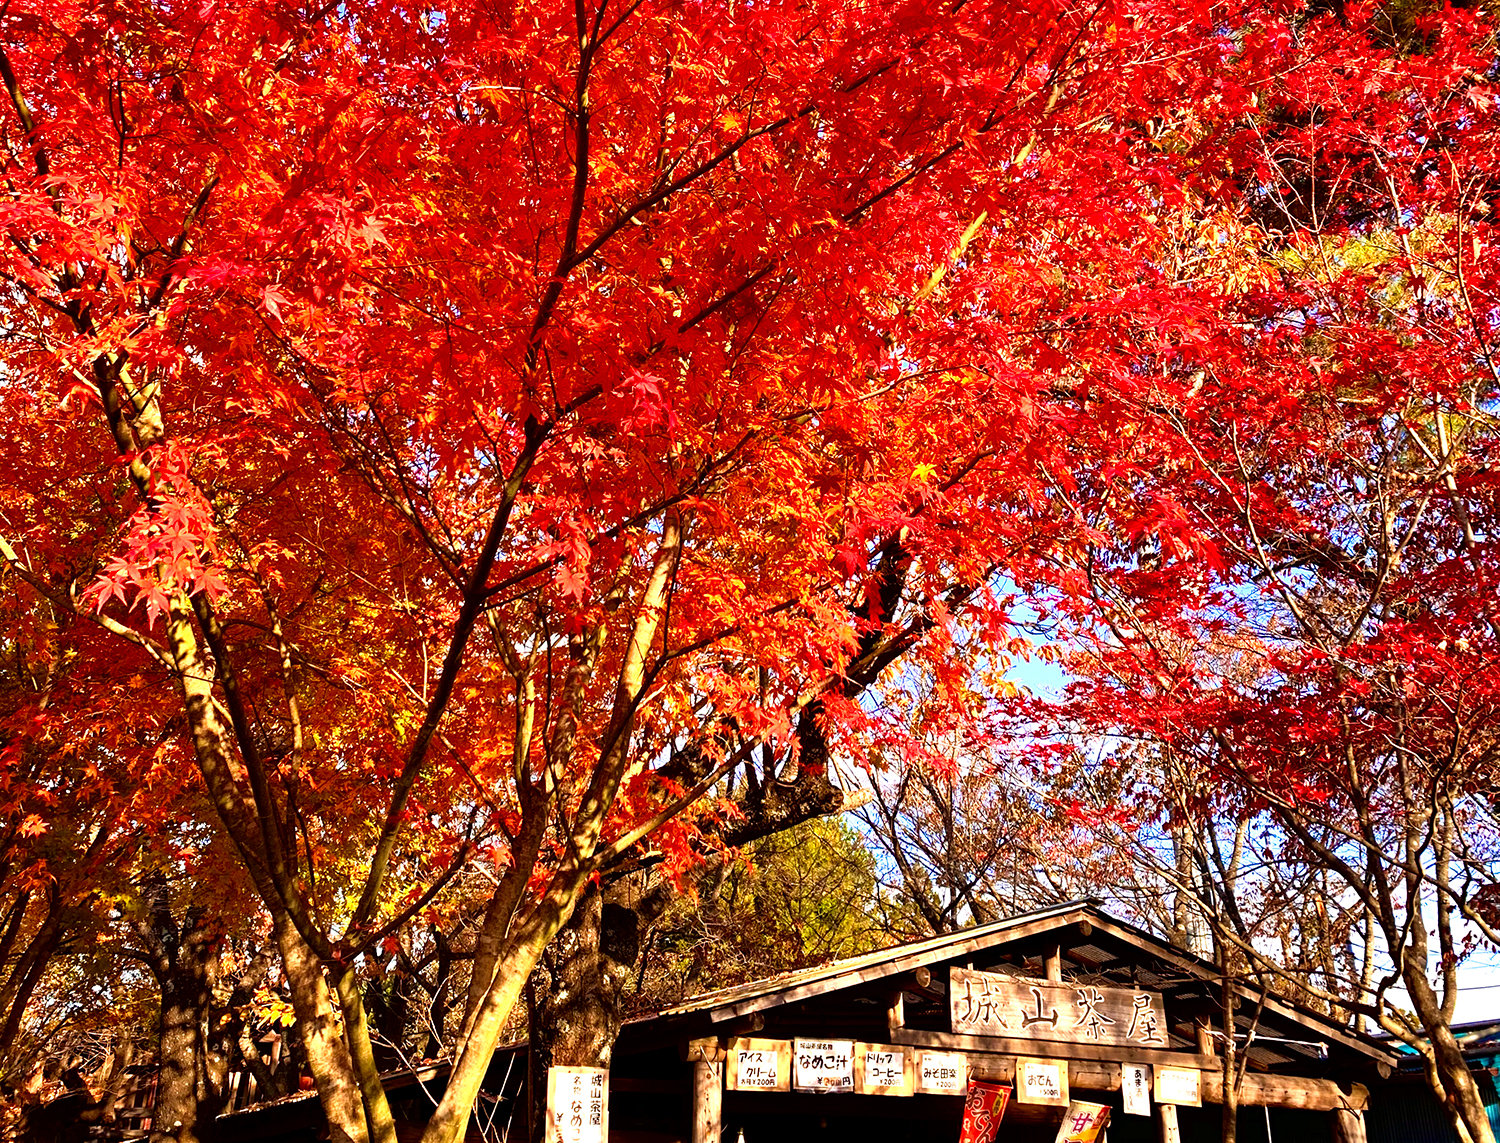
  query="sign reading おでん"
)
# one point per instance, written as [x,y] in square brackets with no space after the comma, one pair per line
[823,1065]
[987,1004]
[1042,1081]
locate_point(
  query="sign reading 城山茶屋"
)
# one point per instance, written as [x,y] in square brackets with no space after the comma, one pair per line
[987,1004]
[577,1105]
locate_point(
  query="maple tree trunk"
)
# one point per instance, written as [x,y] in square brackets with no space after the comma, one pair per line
[357,1033]
[1462,1101]
[328,1055]
[187,1100]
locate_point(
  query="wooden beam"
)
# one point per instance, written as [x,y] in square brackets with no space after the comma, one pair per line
[708,1100]
[895,1015]
[1053,964]
[1060,1050]
[1097,1068]
[1258,1089]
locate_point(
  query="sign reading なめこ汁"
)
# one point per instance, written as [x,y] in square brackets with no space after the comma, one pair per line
[823,1065]
[987,1004]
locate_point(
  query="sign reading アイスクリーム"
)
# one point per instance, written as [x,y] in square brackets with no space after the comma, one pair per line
[987,1004]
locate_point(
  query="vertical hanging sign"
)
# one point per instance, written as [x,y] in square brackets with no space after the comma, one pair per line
[983,1109]
[577,1105]
[1135,1087]
[1083,1122]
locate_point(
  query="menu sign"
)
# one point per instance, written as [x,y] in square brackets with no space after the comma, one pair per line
[987,1004]
[759,1065]
[1135,1087]
[1179,1085]
[942,1073]
[881,1069]
[577,1105]
[1042,1081]
[823,1065]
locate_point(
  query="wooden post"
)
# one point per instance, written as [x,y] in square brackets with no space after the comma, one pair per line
[1205,1036]
[1169,1131]
[895,1014]
[708,1100]
[1348,1126]
[1053,964]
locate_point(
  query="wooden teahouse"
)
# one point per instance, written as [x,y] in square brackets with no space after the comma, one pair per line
[1068,997]
[1066,1003]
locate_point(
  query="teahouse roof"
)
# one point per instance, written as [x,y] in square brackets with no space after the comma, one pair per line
[1096,948]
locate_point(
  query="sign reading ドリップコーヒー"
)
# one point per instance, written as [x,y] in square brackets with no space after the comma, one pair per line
[987,1004]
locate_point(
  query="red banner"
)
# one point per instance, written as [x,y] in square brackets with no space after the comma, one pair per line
[983,1109]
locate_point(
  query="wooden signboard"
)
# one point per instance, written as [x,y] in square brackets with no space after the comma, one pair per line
[1042,1081]
[987,1004]
[577,1105]
[941,1073]
[759,1065]
[823,1065]
[1179,1085]
[882,1069]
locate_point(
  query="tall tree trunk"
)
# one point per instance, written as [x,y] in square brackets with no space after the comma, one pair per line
[186,1099]
[327,1054]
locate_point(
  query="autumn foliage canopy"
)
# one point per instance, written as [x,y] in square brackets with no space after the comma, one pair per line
[454,439]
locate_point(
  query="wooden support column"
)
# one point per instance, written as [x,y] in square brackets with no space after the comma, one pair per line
[895,1014]
[1348,1125]
[1053,964]
[708,1089]
[1169,1130]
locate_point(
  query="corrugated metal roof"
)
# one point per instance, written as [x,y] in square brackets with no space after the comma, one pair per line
[786,987]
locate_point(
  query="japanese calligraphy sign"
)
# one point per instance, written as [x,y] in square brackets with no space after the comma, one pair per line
[577,1105]
[1135,1087]
[941,1073]
[984,1107]
[823,1065]
[1179,1085]
[1042,1081]
[759,1065]
[1082,1122]
[882,1069]
[986,1004]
